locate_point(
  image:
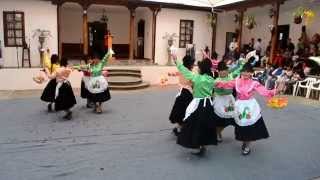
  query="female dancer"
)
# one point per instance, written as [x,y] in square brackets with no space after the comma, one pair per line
[50,68]
[96,84]
[184,97]
[249,122]
[64,97]
[199,128]
[224,100]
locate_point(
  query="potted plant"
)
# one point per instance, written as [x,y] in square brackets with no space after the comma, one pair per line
[250,22]
[170,38]
[303,13]
[42,36]
[212,19]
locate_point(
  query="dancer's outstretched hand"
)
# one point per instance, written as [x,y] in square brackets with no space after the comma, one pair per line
[174,57]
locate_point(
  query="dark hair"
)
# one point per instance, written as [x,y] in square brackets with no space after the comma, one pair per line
[205,67]
[247,68]
[64,62]
[222,66]
[54,60]
[259,40]
[214,55]
[188,62]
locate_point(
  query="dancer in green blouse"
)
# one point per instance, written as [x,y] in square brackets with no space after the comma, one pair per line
[199,128]
[96,83]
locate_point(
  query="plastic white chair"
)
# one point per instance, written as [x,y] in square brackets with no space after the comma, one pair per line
[302,85]
[313,86]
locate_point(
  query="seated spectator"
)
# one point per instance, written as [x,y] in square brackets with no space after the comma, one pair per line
[271,80]
[278,59]
[281,82]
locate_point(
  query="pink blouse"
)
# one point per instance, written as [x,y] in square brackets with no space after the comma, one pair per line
[245,88]
[62,74]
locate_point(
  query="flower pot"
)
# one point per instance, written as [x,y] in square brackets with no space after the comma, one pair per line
[250,25]
[298,20]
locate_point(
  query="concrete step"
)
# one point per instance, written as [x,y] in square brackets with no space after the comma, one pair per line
[124,70]
[130,74]
[124,80]
[129,87]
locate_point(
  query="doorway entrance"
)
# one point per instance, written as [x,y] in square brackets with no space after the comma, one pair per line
[140,39]
[283,36]
[97,31]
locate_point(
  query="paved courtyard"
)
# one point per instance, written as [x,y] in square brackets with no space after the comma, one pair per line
[132,140]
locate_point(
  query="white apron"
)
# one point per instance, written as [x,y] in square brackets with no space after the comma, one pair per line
[224,106]
[248,112]
[96,84]
[193,106]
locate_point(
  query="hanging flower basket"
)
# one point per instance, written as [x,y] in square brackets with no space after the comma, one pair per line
[303,13]
[250,22]
[212,20]
[298,20]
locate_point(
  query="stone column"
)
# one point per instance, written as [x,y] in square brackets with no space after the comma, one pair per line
[155,11]
[131,31]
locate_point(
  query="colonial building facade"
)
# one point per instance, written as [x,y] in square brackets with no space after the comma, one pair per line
[140,28]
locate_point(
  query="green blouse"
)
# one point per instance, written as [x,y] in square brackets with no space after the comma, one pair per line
[232,75]
[96,70]
[202,84]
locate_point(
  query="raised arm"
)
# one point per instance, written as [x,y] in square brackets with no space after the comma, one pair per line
[236,71]
[106,58]
[185,71]
[225,84]
[263,91]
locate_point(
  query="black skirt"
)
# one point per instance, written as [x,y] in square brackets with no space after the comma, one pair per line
[180,105]
[84,91]
[252,133]
[65,99]
[99,97]
[223,122]
[48,93]
[199,129]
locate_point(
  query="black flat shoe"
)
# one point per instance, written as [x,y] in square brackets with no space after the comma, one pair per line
[68,116]
[90,105]
[175,131]
[49,107]
[201,153]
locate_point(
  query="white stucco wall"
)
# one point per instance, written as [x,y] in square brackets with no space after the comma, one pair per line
[168,20]
[38,14]
[71,22]
[285,18]
[146,15]
[225,24]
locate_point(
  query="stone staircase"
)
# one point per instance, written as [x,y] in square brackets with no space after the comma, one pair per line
[125,79]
